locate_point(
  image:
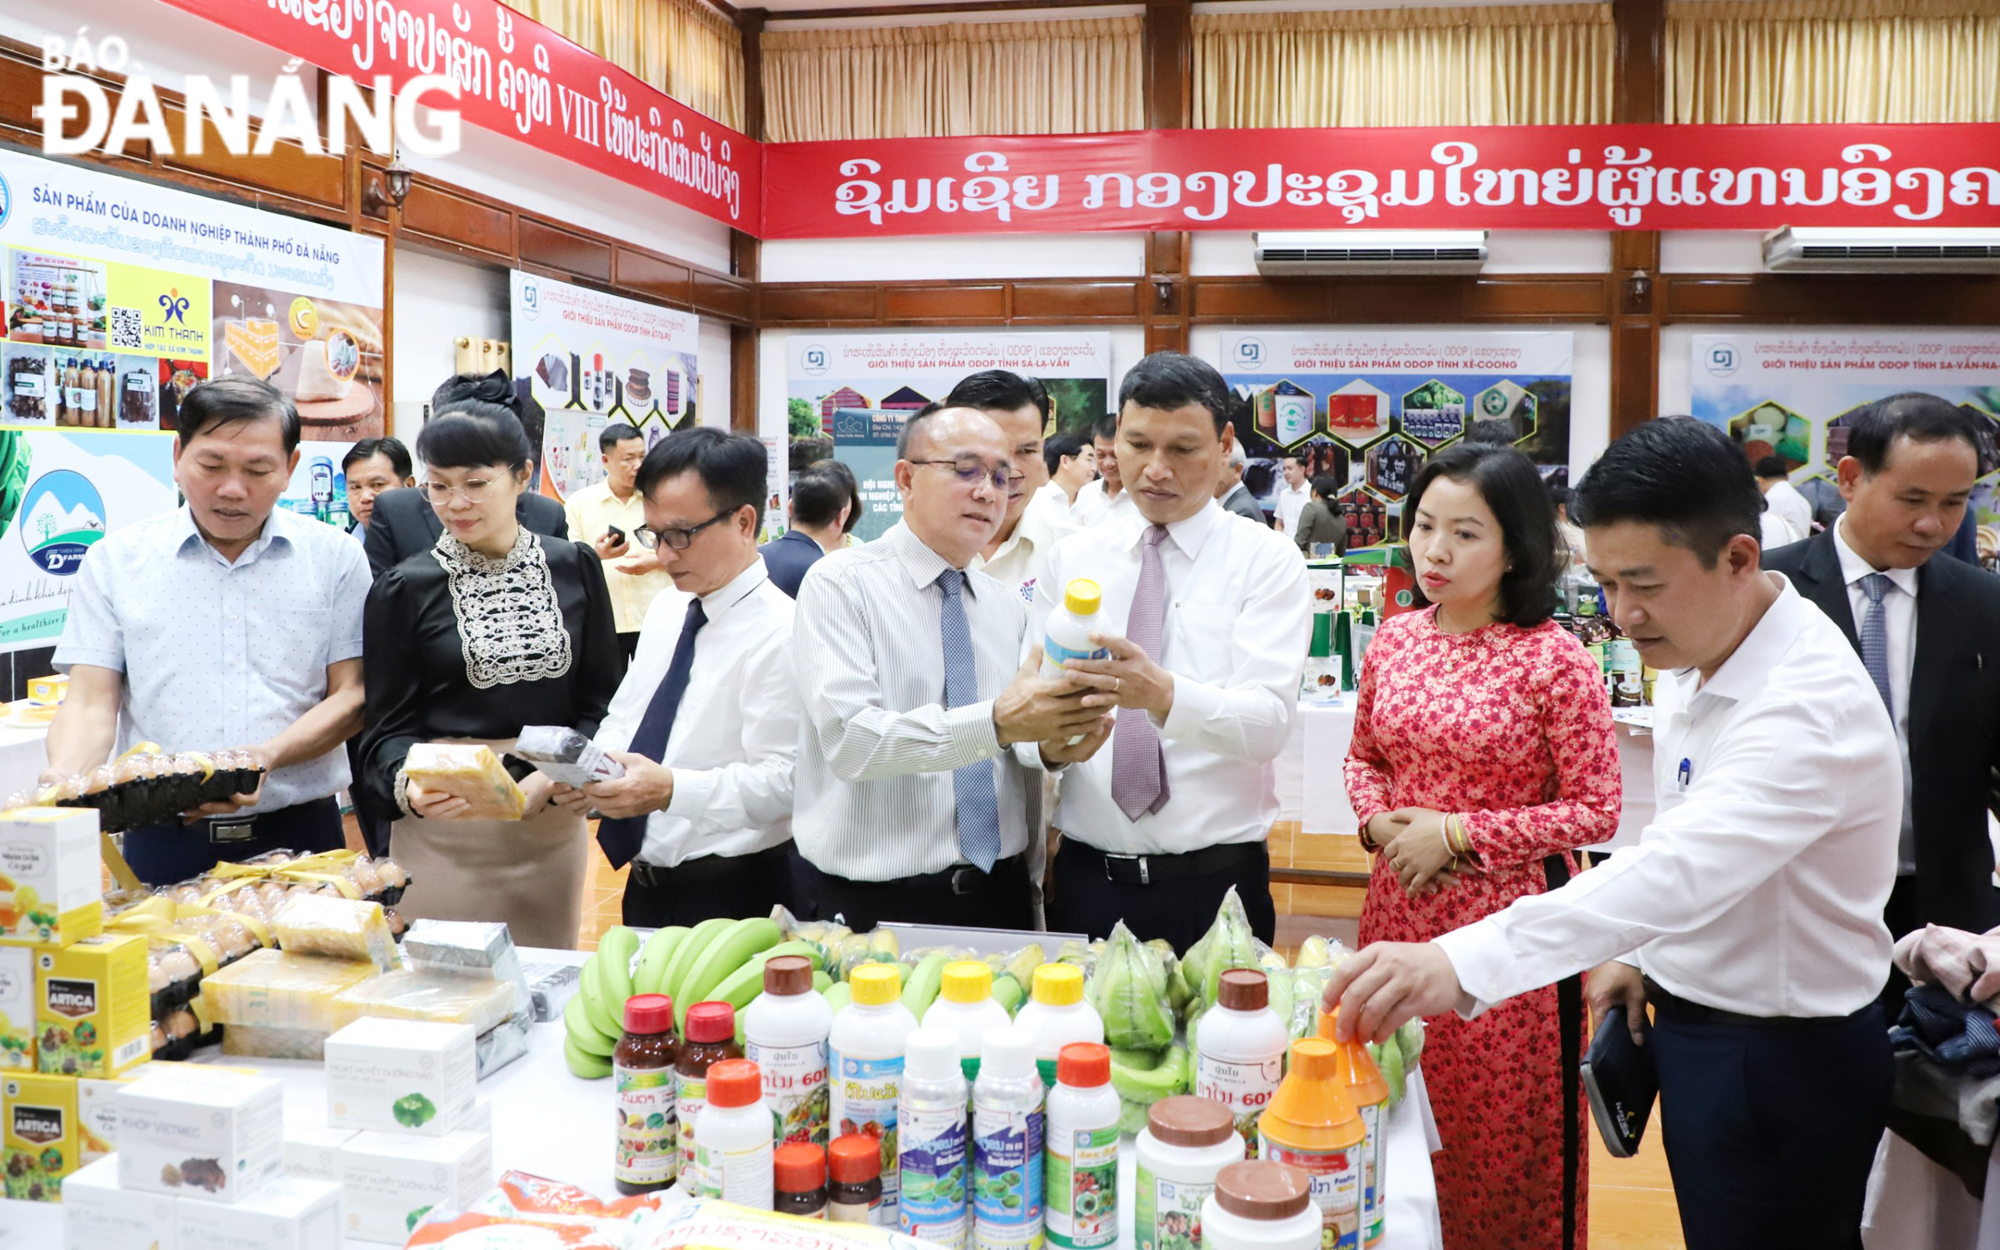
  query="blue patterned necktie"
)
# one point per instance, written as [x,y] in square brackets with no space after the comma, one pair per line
[622,839]
[1875,637]
[972,785]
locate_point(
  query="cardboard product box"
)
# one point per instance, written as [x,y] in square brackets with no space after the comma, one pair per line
[392,1179]
[39,1129]
[51,883]
[408,1076]
[312,1151]
[99,1215]
[98,1111]
[289,1213]
[17,1008]
[192,1130]
[93,1011]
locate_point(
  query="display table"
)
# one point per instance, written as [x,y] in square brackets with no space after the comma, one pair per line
[547,1122]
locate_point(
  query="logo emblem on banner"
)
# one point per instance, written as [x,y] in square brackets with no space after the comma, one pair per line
[812,361]
[176,306]
[65,517]
[1722,360]
[531,300]
[6,201]
[1249,353]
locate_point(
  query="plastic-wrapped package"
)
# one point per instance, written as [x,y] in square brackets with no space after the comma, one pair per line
[550,987]
[482,947]
[283,989]
[503,1044]
[339,928]
[564,755]
[467,771]
[1129,989]
[442,996]
[254,1041]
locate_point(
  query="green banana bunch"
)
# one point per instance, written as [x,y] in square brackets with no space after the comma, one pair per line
[1143,1077]
[1128,989]
[1314,952]
[853,952]
[1279,980]
[1227,944]
[654,957]
[740,987]
[1022,964]
[1008,992]
[729,949]
[606,981]
[838,995]
[920,986]
[689,949]
[1389,1057]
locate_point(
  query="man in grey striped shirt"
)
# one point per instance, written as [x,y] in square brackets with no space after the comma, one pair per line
[922,738]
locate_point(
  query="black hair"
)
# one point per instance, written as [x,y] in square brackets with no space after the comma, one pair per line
[1061,448]
[1491,433]
[228,401]
[1921,418]
[731,466]
[474,435]
[999,390]
[1293,455]
[1106,428]
[489,395]
[818,496]
[1559,494]
[1519,500]
[1772,466]
[369,448]
[840,470]
[1169,380]
[1326,486]
[1683,475]
[614,433]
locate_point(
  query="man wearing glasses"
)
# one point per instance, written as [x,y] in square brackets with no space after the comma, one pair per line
[924,733]
[1019,405]
[706,721]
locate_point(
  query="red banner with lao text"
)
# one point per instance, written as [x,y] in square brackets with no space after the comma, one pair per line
[520,79]
[1481,178]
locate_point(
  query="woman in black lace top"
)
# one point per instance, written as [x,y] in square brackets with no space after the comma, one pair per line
[492,629]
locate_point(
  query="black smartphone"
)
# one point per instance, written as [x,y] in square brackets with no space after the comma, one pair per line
[614,534]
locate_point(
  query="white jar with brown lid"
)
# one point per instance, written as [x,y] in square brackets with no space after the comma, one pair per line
[1186,1142]
[1260,1205]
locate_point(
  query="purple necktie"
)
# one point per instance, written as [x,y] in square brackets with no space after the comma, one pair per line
[1138,766]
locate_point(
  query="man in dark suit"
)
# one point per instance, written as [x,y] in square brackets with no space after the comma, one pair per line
[821,505]
[1928,631]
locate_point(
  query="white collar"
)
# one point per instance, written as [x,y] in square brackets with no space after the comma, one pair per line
[1188,533]
[738,588]
[1853,567]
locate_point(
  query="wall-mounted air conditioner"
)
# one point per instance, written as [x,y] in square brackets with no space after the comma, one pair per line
[1882,249]
[1308,253]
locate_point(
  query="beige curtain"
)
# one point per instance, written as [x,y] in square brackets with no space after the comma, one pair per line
[966,78]
[682,47]
[1512,65]
[1833,61]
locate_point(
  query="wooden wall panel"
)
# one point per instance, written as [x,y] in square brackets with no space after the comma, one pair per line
[1389,300]
[647,276]
[289,170]
[552,247]
[799,305]
[984,302]
[1078,302]
[443,214]
[725,298]
[1832,299]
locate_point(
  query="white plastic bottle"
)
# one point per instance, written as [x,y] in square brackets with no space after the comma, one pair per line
[965,1006]
[1007,1144]
[1082,1168]
[1058,1015]
[930,1141]
[1240,1050]
[732,1138]
[785,1032]
[1067,634]
[865,1057]
[1261,1206]
[1187,1141]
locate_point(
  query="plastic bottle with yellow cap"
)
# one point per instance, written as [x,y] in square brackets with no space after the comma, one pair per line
[865,1055]
[1311,1125]
[1067,634]
[965,1006]
[1057,1015]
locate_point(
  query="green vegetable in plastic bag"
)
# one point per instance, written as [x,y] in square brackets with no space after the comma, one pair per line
[1128,988]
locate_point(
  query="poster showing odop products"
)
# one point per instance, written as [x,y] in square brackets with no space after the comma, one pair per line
[120,297]
[856,390]
[1369,407]
[590,358]
[1790,395]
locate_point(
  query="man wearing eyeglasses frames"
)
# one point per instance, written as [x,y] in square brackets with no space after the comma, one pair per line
[706,722]
[925,735]
[1019,405]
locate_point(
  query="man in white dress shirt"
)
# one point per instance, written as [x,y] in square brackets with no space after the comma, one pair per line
[1106,497]
[228,622]
[920,746]
[1019,405]
[706,721]
[1293,495]
[1207,622]
[1749,917]
[1783,498]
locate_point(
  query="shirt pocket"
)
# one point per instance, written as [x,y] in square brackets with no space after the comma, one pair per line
[290,645]
[1201,641]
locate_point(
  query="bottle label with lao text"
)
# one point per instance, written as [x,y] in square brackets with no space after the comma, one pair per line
[1244,1088]
[1336,1188]
[649,1148]
[864,1101]
[1082,1171]
[1167,1214]
[796,1090]
[690,1096]
[741,1176]
[931,1203]
[1007,1179]
[1374,1173]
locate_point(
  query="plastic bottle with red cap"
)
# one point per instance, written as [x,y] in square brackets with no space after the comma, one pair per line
[733,1158]
[1081,1168]
[711,1038]
[649,1150]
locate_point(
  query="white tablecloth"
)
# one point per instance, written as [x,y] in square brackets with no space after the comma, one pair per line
[547,1122]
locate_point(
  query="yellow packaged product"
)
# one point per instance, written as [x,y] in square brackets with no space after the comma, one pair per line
[48,691]
[17,1008]
[436,995]
[93,1014]
[339,928]
[467,771]
[41,1134]
[282,990]
[51,878]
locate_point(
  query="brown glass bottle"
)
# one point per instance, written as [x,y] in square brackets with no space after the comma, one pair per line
[799,1180]
[854,1187]
[711,1038]
[648,1143]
